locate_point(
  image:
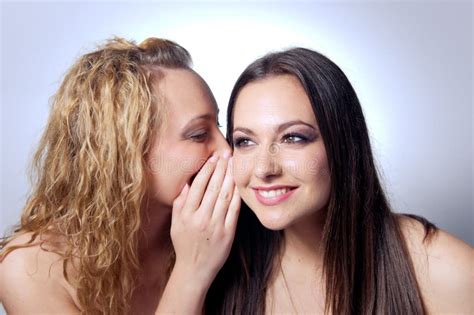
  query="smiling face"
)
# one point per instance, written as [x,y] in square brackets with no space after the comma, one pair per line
[188,137]
[280,161]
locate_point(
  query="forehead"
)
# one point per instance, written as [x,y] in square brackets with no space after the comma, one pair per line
[272,101]
[184,94]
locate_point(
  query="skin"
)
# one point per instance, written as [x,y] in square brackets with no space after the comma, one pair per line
[198,219]
[278,143]
[189,135]
[266,156]
[180,150]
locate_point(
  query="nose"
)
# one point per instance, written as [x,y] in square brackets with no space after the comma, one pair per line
[220,144]
[267,164]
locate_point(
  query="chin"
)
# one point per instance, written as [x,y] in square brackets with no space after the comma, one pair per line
[273,220]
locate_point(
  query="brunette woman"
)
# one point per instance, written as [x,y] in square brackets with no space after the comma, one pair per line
[316,233]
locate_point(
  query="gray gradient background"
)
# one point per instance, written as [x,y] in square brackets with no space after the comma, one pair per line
[410,63]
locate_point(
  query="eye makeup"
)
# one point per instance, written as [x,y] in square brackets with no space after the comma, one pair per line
[295,138]
[300,137]
[197,129]
[241,141]
[197,135]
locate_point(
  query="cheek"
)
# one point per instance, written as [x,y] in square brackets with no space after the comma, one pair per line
[310,166]
[317,171]
[317,168]
[241,169]
[187,165]
[162,185]
[170,169]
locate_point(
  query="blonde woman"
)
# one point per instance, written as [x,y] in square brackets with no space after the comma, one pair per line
[131,154]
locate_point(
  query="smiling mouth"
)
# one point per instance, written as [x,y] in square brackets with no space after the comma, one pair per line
[271,196]
[273,193]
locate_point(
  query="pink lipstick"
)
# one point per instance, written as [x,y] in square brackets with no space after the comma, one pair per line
[273,195]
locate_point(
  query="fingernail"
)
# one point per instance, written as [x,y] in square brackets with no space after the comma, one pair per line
[229,166]
[213,158]
[185,188]
[226,154]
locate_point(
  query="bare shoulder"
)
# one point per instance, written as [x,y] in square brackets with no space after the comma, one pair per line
[443,266]
[32,280]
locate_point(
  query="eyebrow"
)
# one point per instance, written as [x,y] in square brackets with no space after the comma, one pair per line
[278,128]
[204,116]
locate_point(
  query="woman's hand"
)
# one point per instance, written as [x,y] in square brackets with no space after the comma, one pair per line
[204,220]
[203,226]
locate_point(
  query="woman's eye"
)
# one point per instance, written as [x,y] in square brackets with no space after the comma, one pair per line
[294,138]
[242,142]
[199,137]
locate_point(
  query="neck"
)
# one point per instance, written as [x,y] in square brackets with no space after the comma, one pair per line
[155,230]
[299,267]
[302,241]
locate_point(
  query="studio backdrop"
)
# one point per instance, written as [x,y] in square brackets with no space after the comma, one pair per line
[410,63]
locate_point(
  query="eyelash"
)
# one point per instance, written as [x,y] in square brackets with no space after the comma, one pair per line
[199,137]
[238,142]
[304,139]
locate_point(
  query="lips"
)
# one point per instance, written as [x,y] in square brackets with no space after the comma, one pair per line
[273,195]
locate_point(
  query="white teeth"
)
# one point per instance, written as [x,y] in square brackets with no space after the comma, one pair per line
[273,193]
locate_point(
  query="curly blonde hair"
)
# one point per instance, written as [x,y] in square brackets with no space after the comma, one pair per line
[89,171]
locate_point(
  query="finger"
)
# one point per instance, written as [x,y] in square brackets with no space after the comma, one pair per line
[178,203]
[198,187]
[225,196]
[213,188]
[233,212]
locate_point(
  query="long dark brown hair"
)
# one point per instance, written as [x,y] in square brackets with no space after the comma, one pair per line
[367,267]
